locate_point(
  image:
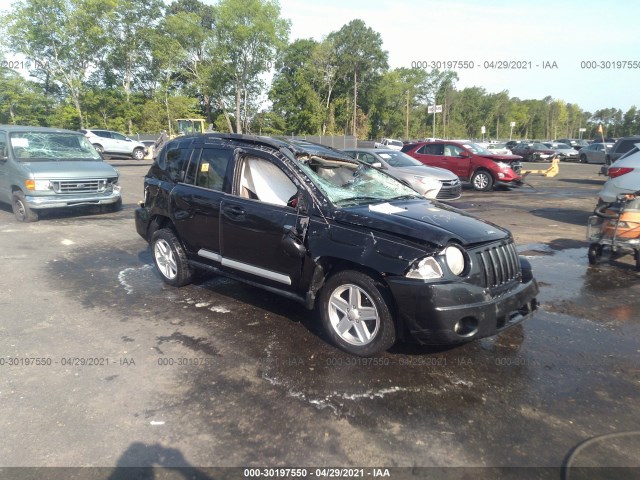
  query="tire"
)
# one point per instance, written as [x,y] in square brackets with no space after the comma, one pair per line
[170,258]
[98,148]
[594,253]
[21,210]
[138,154]
[583,159]
[113,207]
[482,180]
[345,325]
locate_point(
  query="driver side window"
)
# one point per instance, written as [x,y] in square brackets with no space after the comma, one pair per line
[452,150]
[264,181]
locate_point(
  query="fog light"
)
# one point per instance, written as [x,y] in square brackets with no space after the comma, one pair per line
[466,327]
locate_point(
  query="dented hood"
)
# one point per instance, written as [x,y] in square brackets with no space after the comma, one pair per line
[422,221]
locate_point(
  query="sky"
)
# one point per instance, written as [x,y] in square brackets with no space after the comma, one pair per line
[569,37]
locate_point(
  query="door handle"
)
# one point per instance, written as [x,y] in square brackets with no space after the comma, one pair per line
[233,211]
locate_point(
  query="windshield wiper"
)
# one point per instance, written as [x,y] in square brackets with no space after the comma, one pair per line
[358,200]
[405,197]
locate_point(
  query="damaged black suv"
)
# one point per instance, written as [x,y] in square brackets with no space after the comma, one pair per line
[379,261]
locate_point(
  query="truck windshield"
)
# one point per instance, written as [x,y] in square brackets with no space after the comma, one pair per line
[47,146]
[346,184]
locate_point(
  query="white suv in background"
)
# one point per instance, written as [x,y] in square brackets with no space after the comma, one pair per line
[624,176]
[114,143]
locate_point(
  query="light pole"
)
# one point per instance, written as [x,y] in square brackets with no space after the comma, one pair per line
[513,124]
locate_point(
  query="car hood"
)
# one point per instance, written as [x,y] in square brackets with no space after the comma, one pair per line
[69,169]
[422,221]
[425,171]
[502,158]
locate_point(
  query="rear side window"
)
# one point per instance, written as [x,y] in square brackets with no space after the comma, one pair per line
[175,162]
[211,169]
[434,149]
[627,145]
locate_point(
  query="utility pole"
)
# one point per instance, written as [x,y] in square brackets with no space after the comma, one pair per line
[407,126]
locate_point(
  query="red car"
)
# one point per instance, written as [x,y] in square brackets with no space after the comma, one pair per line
[469,161]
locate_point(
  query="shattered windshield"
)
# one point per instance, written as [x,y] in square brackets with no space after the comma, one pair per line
[346,184]
[477,149]
[34,146]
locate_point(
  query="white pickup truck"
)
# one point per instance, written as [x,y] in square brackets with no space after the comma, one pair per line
[389,143]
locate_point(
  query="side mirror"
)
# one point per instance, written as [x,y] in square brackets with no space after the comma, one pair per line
[464,154]
[377,165]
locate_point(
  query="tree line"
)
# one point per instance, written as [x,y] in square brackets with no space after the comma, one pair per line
[136,65]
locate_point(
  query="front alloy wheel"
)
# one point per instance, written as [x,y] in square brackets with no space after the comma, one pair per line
[353,315]
[356,313]
[482,180]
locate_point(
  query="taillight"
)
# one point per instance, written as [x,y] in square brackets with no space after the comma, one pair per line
[619,171]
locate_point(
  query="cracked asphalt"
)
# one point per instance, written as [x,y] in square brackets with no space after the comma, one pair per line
[134,373]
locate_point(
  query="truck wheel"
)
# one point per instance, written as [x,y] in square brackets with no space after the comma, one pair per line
[113,207]
[170,258]
[21,210]
[356,314]
[482,181]
[138,154]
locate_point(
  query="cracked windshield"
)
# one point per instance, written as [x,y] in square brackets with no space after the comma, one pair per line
[28,146]
[346,184]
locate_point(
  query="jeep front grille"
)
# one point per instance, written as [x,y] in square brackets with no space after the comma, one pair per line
[79,186]
[499,264]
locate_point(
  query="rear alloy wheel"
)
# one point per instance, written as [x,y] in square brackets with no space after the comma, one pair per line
[98,148]
[138,154]
[171,259]
[356,314]
[21,210]
[482,181]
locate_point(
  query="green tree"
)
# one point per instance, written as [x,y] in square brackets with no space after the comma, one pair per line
[65,38]
[292,92]
[360,59]
[249,34]
[129,28]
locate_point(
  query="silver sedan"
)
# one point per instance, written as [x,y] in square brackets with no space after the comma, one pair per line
[431,182]
[595,152]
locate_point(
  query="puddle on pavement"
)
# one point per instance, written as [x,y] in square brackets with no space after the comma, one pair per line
[606,293]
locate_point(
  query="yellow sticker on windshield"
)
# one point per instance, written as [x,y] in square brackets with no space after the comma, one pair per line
[204,167]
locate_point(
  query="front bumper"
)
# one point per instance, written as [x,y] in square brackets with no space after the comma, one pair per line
[433,313]
[62,201]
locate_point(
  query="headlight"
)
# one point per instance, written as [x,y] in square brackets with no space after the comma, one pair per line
[425,269]
[38,185]
[503,165]
[455,259]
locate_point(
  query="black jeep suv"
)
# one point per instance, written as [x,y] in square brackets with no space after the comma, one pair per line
[379,261]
